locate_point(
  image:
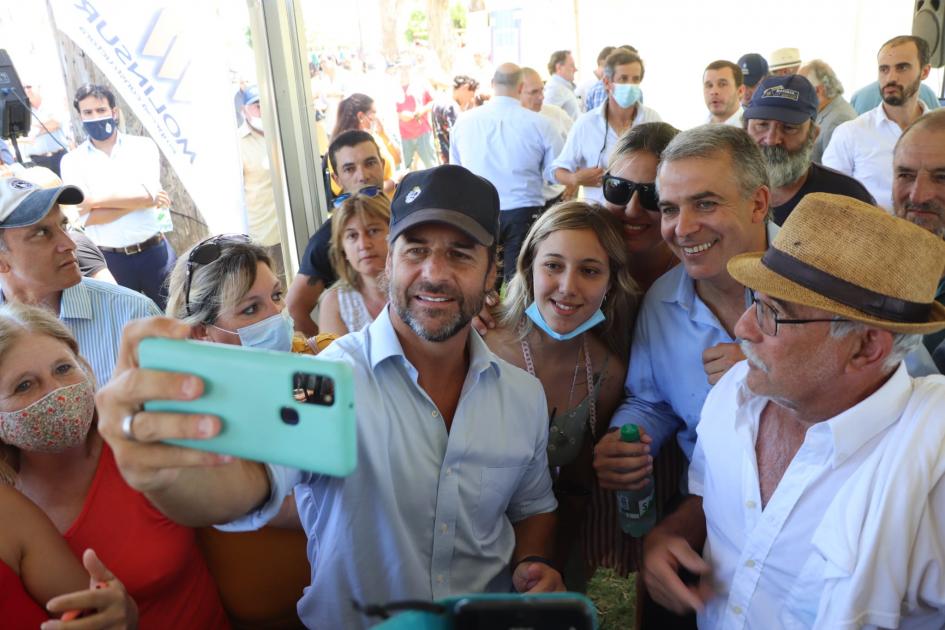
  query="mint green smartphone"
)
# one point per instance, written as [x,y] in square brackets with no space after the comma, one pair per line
[276,407]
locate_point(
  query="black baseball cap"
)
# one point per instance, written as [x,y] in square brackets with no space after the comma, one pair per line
[754,68]
[790,99]
[447,194]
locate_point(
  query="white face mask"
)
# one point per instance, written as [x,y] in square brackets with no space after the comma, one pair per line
[255,122]
[272,333]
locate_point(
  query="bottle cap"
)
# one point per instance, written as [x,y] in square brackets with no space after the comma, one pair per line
[629,433]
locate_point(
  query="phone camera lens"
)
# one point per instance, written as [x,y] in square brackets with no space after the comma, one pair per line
[289,415]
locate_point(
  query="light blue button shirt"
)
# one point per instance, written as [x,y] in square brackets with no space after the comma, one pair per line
[559,91]
[96,312]
[426,514]
[509,145]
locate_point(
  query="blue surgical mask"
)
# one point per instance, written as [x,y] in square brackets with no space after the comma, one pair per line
[534,314]
[627,94]
[100,129]
[272,333]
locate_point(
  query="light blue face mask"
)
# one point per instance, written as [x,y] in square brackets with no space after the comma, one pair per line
[627,94]
[272,333]
[534,314]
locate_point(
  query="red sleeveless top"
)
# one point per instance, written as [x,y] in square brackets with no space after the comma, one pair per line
[156,559]
[17,609]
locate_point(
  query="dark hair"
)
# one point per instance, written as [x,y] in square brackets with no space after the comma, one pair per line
[348,110]
[932,121]
[652,137]
[630,48]
[557,57]
[461,79]
[734,67]
[93,89]
[621,57]
[920,44]
[350,138]
[604,53]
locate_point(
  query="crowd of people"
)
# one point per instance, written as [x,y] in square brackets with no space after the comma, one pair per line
[512,279]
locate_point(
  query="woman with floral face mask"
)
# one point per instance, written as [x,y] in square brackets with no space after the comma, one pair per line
[225,289]
[566,319]
[57,459]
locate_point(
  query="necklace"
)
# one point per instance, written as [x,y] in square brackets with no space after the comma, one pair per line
[592,402]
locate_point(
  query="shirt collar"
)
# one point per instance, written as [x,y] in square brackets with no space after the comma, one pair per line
[384,345]
[506,101]
[879,113]
[91,148]
[557,78]
[75,302]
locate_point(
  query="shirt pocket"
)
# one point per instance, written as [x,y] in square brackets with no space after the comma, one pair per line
[496,487]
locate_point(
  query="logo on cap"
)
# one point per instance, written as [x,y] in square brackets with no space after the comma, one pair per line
[20,184]
[779,91]
[413,194]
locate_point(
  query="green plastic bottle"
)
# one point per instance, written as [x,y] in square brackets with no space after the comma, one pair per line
[635,508]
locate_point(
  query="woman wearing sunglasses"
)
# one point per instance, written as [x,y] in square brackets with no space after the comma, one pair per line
[629,188]
[566,319]
[358,254]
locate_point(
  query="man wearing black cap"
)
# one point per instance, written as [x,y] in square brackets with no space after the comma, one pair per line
[781,120]
[38,266]
[754,69]
[451,493]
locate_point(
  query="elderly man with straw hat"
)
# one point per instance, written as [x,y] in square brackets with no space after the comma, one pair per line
[818,476]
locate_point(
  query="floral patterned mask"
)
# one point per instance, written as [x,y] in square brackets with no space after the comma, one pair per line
[58,421]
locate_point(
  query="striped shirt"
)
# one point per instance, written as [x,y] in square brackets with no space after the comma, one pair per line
[96,312]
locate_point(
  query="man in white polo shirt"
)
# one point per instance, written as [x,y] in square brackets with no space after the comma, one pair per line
[863,147]
[120,177]
[723,88]
[594,135]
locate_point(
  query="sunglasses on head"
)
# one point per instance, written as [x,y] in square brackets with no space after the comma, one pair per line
[204,253]
[619,191]
[369,191]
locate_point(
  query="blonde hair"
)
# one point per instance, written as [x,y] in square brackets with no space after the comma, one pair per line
[18,321]
[620,303]
[216,286]
[364,208]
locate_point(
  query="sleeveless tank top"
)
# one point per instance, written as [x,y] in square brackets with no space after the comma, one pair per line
[354,312]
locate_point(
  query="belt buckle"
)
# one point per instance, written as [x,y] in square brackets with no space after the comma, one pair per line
[133,249]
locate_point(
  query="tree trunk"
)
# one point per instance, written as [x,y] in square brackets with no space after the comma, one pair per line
[189,225]
[389,44]
[441,32]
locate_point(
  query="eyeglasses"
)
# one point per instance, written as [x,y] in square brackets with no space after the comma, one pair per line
[204,253]
[619,191]
[368,191]
[768,319]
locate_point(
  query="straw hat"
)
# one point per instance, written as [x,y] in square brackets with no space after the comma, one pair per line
[784,58]
[847,257]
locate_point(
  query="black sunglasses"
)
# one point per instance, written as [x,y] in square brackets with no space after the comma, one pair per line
[369,191]
[205,252]
[619,191]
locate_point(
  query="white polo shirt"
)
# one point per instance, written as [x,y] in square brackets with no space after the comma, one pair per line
[592,140]
[863,149]
[735,120]
[134,159]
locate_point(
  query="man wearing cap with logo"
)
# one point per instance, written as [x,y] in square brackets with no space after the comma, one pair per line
[818,477]
[781,120]
[754,69]
[784,61]
[257,182]
[863,147]
[38,266]
[451,493]
[832,109]
[120,176]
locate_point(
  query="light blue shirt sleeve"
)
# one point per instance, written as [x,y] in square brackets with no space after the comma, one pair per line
[282,480]
[553,145]
[534,494]
[644,404]
[570,157]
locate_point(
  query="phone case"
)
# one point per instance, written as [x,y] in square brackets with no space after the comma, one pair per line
[252,391]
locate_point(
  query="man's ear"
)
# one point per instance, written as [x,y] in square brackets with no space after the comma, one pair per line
[872,347]
[4,263]
[760,199]
[925,72]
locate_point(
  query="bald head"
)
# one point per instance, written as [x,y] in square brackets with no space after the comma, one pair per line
[532,95]
[507,80]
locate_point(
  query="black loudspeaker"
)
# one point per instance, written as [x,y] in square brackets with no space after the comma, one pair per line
[14,108]
[928,22]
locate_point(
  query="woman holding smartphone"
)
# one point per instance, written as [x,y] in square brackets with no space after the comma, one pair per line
[56,458]
[566,319]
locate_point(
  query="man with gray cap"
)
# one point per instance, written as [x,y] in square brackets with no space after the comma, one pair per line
[818,476]
[452,492]
[38,266]
[781,120]
[754,69]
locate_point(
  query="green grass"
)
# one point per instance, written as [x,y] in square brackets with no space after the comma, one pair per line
[615,599]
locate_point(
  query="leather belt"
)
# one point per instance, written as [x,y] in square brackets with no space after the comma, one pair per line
[137,248]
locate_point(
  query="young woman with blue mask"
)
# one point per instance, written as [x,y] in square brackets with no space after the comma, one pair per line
[567,318]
